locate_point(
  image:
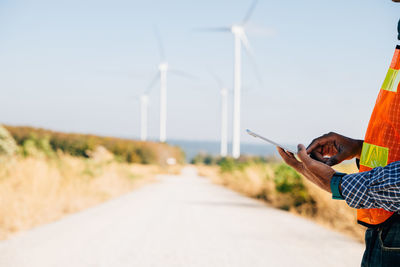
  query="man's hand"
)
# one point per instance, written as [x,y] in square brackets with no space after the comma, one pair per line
[333,148]
[315,171]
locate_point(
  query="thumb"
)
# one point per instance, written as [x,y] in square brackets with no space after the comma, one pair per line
[302,153]
[336,159]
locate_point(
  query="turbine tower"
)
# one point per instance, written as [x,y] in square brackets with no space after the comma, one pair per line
[144,104]
[224,116]
[163,68]
[224,122]
[239,34]
[144,108]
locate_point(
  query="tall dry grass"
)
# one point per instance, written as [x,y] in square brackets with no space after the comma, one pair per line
[36,190]
[259,181]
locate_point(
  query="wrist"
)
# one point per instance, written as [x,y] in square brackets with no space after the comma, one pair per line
[327,182]
[335,185]
[359,145]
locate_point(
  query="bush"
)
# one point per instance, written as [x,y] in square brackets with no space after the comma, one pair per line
[79,144]
[8,145]
[227,165]
[34,146]
[206,159]
[288,181]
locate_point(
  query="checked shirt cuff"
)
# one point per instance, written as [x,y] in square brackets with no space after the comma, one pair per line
[355,190]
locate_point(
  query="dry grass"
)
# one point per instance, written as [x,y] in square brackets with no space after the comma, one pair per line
[38,190]
[257,180]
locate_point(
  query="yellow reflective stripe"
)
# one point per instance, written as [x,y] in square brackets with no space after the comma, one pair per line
[374,156]
[392,80]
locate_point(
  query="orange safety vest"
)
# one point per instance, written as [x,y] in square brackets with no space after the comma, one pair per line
[382,140]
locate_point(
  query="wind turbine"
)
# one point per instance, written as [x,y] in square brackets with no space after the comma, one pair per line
[240,37]
[144,111]
[224,116]
[224,122]
[144,108]
[163,69]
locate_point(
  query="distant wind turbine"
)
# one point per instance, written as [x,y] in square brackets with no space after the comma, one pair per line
[163,69]
[224,116]
[144,111]
[240,37]
[144,108]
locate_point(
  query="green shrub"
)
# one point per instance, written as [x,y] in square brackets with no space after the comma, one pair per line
[227,165]
[29,148]
[206,159]
[78,144]
[8,145]
[288,181]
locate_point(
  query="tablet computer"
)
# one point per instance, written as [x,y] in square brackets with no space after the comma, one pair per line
[270,141]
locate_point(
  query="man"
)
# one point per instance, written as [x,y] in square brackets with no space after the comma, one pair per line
[375,190]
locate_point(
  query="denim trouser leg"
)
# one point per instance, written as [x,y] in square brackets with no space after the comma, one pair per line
[382,246]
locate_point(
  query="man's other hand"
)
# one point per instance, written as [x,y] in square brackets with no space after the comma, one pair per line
[315,171]
[333,148]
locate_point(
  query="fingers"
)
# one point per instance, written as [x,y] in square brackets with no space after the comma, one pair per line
[313,170]
[302,153]
[309,163]
[318,156]
[329,149]
[320,141]
[316,168]
[290,159]
[336,159]
[287,156]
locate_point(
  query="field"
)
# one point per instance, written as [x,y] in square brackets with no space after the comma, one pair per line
[40,184]
[281,187]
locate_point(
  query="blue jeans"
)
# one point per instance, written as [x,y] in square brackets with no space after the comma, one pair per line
[383,244]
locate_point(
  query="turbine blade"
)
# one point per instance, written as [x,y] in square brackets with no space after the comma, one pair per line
[183,74]
[250,54]
[136,97]
[249,12]
[246,43]
[214,29]
[161,49]
[256,71]
[153,82]
[217,79]
[122,73]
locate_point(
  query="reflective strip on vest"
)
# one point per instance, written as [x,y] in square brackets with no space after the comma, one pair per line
[374,156]
[392,80]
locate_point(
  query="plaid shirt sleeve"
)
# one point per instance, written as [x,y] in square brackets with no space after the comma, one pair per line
[378,188]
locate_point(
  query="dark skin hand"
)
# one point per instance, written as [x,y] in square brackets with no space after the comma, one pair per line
[315,171]
[333,148]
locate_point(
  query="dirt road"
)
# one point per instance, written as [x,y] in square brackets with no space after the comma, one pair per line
[181,221]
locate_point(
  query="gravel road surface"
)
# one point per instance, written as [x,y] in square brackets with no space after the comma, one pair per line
[181,221]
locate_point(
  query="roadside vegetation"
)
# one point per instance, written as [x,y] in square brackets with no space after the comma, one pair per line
[124,150]
[45,175]
[272,181]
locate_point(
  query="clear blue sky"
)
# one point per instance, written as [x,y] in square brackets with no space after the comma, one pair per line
[77,65]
